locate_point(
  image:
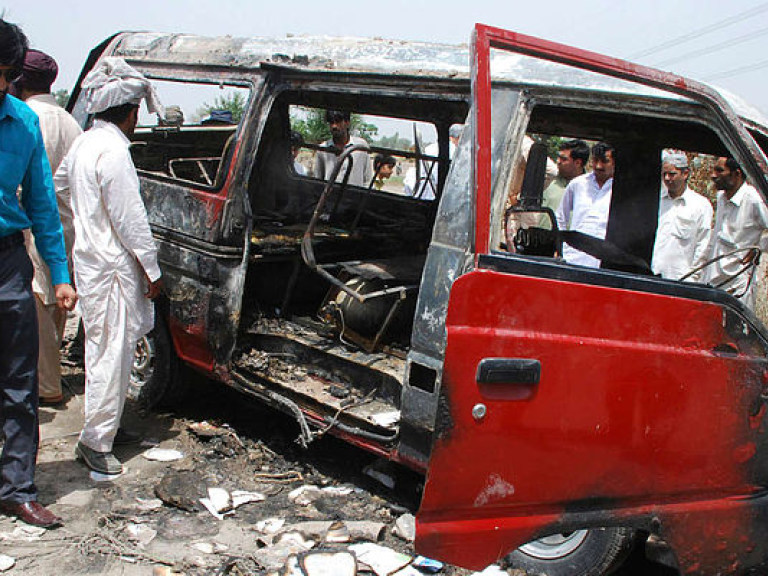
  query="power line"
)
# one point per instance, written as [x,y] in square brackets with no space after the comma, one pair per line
[701,31]
[712,48]
[736,71]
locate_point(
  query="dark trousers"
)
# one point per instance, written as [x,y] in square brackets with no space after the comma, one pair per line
[18,377]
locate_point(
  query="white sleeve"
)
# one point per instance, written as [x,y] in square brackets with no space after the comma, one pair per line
[760,216]
[119,185]
[563,212]
[703,234]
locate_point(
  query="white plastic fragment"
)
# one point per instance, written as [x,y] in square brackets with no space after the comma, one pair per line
[338,490]
[218,502]
[327,563]
[147,504]
[492,570]
[142,533]
[204,547]
[270,525]
[24,533]
[240,497]
[220,499]
[386,419]
[304,495]
[405,527]
[6,562]
[408,571]
[382,560]
[295,539]
[163,454]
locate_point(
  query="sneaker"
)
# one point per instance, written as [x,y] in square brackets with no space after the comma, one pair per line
[123,436]
[102,462]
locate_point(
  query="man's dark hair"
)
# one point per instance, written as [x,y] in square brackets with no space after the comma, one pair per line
[732,165]
[383,160]
[116,114]
[13,47]
[601,149]
[336,115]
[297,140]
[578,148]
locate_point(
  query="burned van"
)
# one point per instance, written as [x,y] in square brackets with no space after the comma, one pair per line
[561,413]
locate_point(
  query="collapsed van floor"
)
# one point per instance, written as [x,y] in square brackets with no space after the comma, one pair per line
[300,361]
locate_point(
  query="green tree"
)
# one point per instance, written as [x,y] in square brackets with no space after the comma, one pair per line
[551,142]
[234,102]
[62,97]
[396,142]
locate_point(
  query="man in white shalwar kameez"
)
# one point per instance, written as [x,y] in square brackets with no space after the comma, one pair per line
[115,257]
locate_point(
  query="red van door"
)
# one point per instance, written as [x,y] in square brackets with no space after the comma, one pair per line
[579,402]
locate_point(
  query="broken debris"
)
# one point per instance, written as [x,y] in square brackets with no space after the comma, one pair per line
[163,454]
[382,560]
[405,527]
[328,563]
[181,489]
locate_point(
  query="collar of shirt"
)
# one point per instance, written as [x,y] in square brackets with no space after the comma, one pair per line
[593,181]
[8,107]
[736,198]
[683,198]
[103,124]
[46,98]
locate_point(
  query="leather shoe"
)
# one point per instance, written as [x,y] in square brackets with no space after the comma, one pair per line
[32,513]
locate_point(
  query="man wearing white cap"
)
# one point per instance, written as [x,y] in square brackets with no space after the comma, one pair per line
[115,257]
[685,223]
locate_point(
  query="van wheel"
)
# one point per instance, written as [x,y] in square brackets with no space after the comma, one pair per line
[594,552]
[155,374]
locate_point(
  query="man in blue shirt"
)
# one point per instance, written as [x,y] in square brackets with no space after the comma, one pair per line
[23,162]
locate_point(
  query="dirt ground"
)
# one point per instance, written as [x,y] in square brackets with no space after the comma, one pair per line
[150,520]
[121,527]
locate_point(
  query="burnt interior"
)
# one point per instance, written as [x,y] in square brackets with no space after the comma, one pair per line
[296,320]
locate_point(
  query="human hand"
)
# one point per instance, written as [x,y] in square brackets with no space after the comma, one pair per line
[66,297]
[752,256]
[153,288]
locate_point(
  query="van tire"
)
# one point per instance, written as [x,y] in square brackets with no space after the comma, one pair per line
[156,371]
[594,552]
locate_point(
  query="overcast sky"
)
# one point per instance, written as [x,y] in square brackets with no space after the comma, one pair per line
[736,32]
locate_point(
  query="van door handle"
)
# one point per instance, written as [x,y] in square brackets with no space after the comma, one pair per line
[509,371]
[510,379]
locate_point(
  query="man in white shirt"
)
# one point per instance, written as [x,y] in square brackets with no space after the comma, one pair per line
[685,223]
[587,202]
[361,173]
[59,131]
[115,257]
[741,218]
